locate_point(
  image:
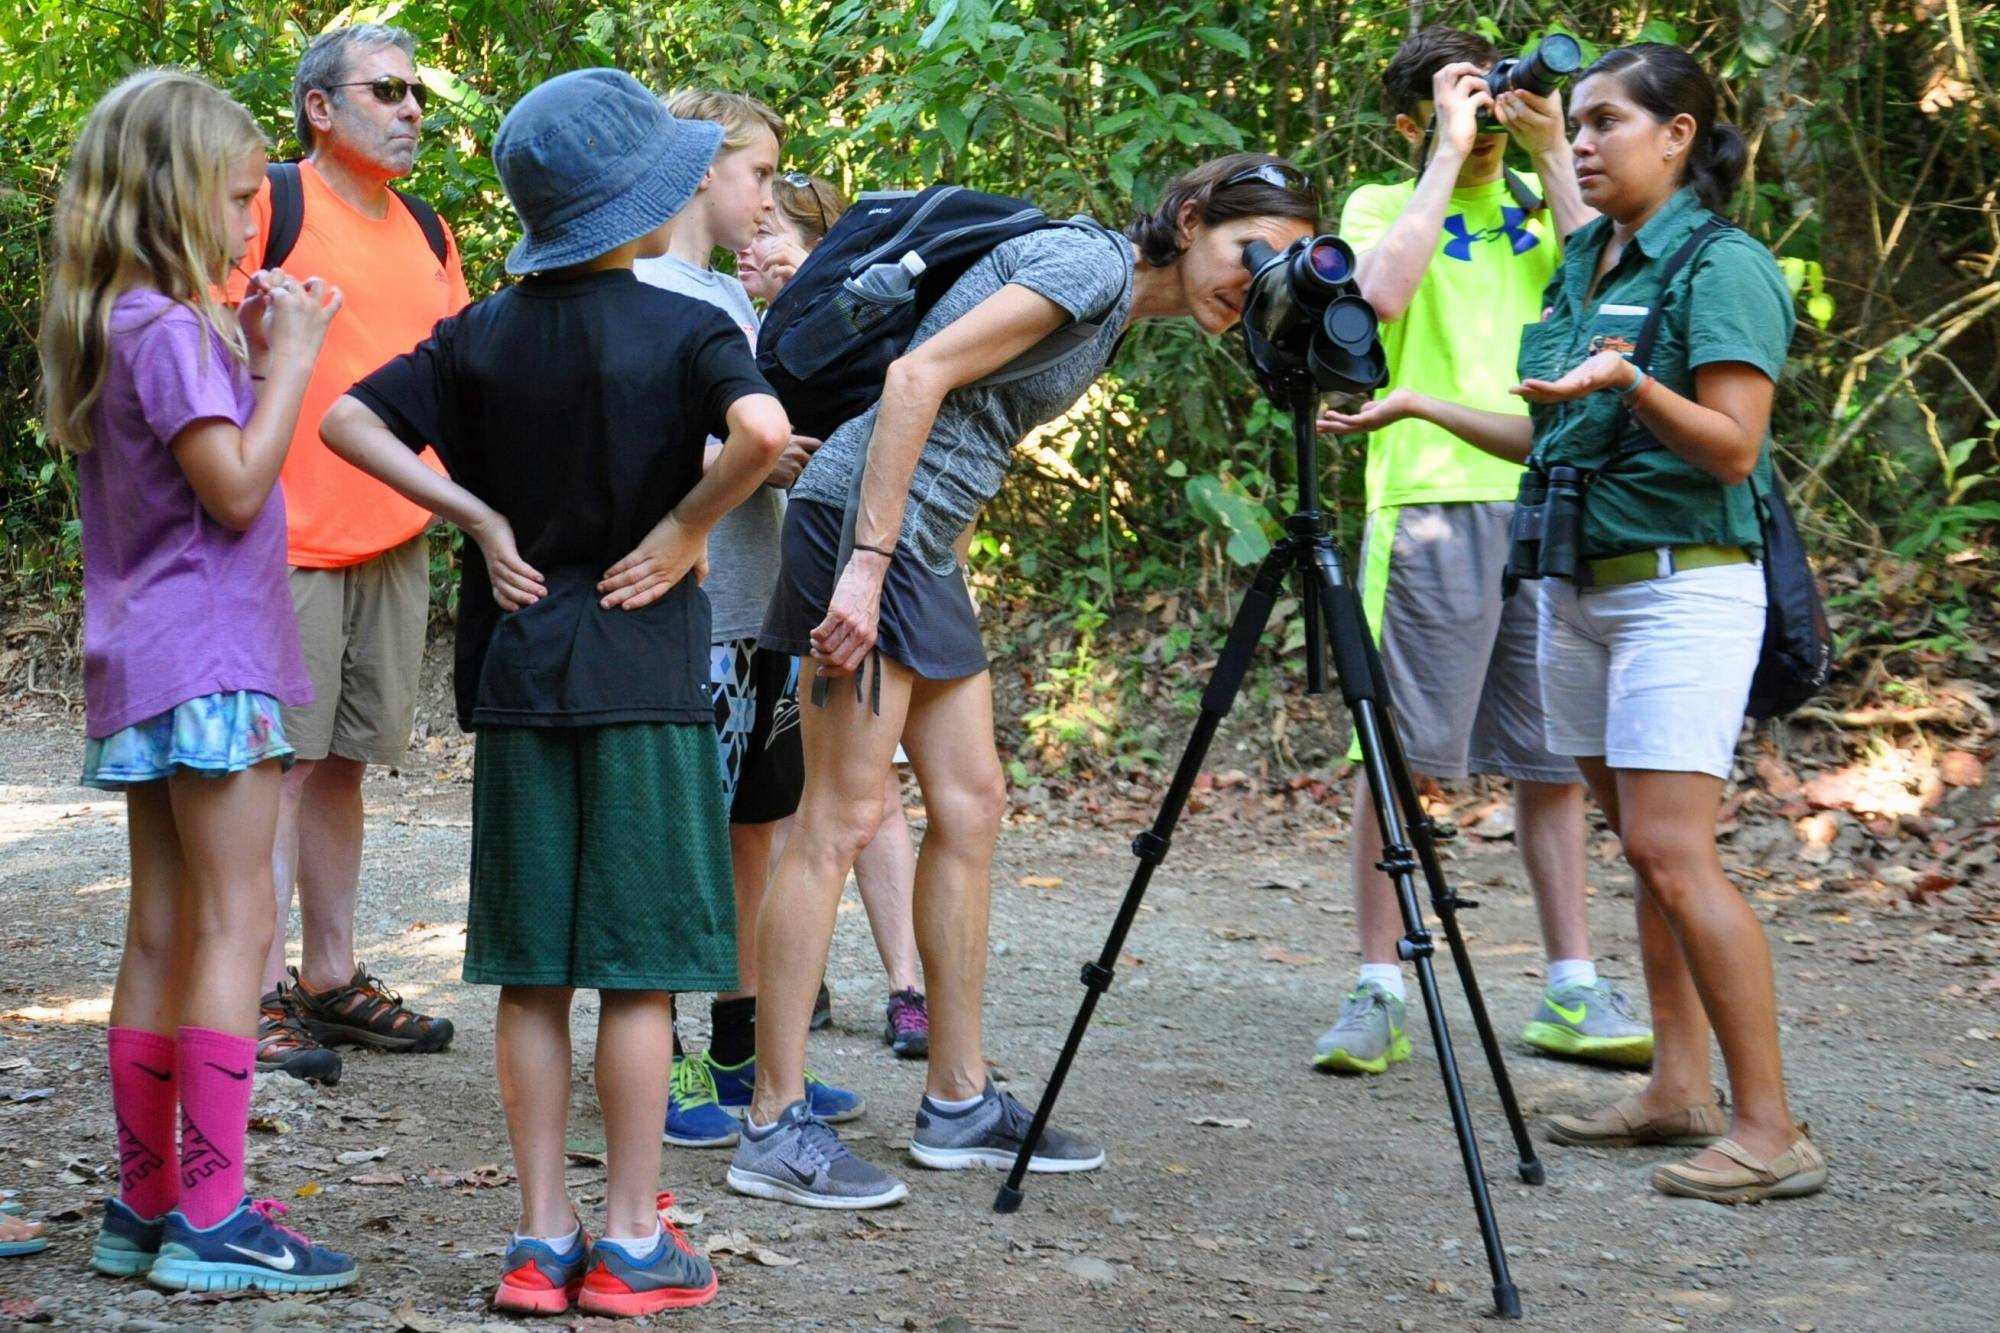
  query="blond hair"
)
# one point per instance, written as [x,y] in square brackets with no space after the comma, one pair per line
[141,199]
[740,116]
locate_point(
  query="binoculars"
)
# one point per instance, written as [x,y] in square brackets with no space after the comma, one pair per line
[1544,69]
[1547,531]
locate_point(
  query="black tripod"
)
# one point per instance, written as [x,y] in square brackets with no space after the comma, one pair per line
[1408,836]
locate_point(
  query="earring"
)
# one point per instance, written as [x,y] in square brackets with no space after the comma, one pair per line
[1667,156]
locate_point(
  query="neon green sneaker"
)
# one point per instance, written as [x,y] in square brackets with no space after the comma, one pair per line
[1594,1023]
[1369,1036]
[695,1118]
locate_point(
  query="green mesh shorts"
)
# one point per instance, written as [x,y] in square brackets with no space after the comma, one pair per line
[600,859]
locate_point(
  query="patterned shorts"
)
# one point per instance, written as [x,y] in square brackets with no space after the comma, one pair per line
[213,735]
[757,728]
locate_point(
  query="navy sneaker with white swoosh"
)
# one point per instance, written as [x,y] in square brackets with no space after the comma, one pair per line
[250,1250]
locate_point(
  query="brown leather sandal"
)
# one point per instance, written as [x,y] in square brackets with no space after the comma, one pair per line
[1628,1127]
[1798,1170]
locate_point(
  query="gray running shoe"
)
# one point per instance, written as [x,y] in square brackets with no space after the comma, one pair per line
[991,1134]
[800,1160]
[1594,1023]
[1369,1036]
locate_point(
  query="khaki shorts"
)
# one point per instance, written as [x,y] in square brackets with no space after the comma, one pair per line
[362,627]
[1460,660]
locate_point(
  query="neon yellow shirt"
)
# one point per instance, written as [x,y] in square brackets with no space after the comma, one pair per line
[1458,340]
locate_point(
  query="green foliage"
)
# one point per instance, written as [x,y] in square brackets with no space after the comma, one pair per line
[1876,148]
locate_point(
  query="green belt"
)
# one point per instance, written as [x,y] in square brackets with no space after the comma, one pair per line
[1659,562]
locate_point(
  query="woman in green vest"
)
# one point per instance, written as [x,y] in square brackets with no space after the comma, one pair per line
[1647,650]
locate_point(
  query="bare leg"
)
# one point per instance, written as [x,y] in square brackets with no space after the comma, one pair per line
[1681,1072]
[1378,920]
[1668,826]
[285,865]
[532,1055]
[750,847]
[885,873]
[1548,823]
[847,749]
[635,1042]
[159,928]
[330,827]
[226,826]
[949,738]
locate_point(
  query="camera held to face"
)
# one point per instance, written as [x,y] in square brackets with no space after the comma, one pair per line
[1305,320]
[1544,69]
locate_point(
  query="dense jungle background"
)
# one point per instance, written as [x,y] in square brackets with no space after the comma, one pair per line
[1108,563]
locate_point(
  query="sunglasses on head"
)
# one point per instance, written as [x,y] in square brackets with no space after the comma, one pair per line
[1281,174]
[799,180]
[390,90]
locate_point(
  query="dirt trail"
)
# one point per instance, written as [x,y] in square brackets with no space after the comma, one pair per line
[1321,1203]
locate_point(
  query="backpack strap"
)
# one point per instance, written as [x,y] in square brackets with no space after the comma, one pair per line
[288,213]
[1649,331]
[428,220]
[288,216]
[1072,335]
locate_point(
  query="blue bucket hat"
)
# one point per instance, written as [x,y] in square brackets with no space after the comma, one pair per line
[591,160]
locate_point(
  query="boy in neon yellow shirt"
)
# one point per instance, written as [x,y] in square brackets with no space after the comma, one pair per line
[1455,262]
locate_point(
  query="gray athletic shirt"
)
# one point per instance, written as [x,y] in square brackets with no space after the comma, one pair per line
[1088,274]
[743,547]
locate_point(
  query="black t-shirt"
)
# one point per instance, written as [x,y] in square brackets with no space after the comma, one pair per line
[579,408]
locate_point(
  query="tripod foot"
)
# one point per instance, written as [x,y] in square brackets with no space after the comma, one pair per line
[1532,1172]
[1008,1200]
[1507,1301]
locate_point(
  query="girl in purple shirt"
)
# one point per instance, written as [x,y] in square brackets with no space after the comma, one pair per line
[180,415]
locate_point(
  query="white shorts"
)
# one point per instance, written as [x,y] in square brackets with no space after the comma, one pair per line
[1652,675]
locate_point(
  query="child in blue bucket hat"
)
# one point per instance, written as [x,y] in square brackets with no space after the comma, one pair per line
[570,410]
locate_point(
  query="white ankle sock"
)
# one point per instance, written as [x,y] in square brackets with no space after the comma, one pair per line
[1389,976]
[954,1107]
[1567,972]
[633,1247]
[562,1244]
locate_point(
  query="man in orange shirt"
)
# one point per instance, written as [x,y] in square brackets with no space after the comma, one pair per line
[360,564]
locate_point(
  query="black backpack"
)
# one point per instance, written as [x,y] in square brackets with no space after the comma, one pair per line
[825,345]
[1797,656]
[288,215]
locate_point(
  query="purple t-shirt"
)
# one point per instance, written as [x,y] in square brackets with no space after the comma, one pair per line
[175,605]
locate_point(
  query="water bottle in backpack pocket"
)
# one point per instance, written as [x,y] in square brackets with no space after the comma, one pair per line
[878,302]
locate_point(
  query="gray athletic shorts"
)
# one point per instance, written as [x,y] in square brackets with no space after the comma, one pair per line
[1460,659]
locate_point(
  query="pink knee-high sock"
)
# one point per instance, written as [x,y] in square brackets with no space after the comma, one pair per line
[142,1097]
[216,1070]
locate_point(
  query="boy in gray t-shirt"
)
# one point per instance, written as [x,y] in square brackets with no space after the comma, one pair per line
[756,717]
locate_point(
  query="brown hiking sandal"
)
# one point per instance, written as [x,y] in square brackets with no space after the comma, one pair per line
[367,1012]
[284,1045]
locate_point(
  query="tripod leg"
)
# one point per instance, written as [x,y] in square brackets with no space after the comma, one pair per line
[1151,846]
[1445,902]
[1360,687]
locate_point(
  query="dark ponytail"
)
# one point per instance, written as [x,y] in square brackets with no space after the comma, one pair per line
[1667,82]
[1158,233]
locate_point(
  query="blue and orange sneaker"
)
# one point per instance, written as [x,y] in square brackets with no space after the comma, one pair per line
[249,1250]
[127,1243]
[535,1279]
[836,1106]
[670,1277]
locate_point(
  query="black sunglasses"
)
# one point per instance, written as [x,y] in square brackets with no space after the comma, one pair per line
[390,90]
[799,180]
[1281,174]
